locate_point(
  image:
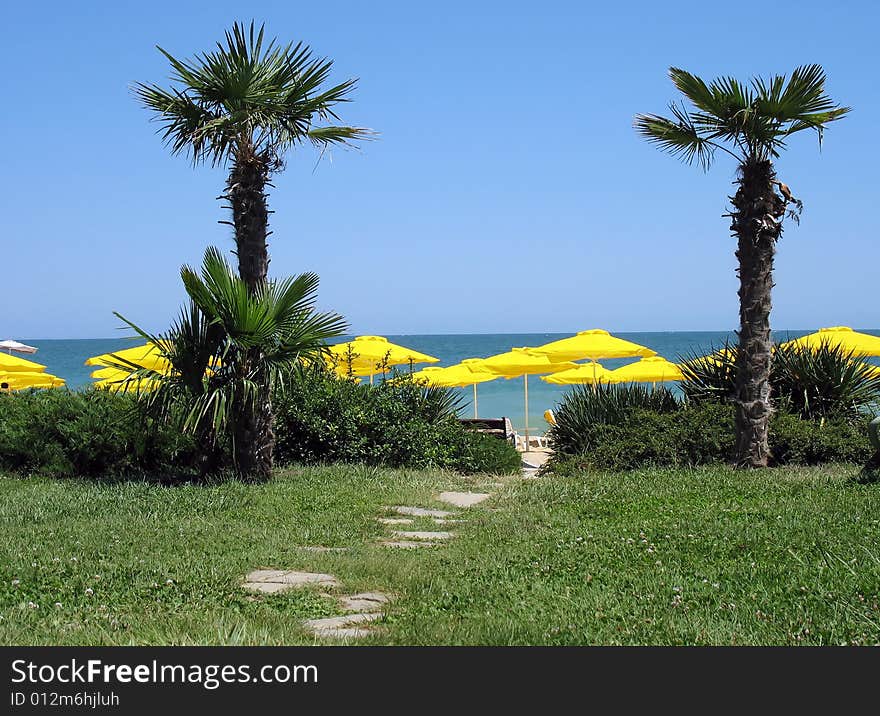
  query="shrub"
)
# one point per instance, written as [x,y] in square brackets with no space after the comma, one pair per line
[813,383]
[823,382]
[702,433]
[794,441]
[92,433]
[710,377]
[479,453]
[321,418]
[584,408]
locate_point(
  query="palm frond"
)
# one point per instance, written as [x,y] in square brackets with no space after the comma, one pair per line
[751,120]
[248,91]
[679,136]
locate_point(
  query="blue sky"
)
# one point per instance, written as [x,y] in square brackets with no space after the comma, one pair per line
[506,193]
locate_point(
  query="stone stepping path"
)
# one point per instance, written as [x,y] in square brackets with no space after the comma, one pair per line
[407,544]
[343,627]
[364,602]
[417,535]
[421,512]
[270,581]
[464,499]
[396,520]
[322,550]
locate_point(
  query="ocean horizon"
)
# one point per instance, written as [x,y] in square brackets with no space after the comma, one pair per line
[66,359]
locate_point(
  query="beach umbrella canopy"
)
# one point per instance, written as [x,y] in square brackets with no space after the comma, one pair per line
[14,364]
[843,337]
[520,362]
[146,356]
[456,376]
[120,384]
[21,380]
[10,346]
[654,369]
[587,373]
[593,345]
[367,353]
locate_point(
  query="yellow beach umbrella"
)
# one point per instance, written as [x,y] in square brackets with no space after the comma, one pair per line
[654,369]
[594,344]
[521,362]
[456,376]
[122,385]
[21,380]
[368,353]
[843,337]
[146,356]
[591,373]
[13,364]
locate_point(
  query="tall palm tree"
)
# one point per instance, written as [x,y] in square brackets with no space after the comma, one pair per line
[751,123]
[215,387]
[245,105]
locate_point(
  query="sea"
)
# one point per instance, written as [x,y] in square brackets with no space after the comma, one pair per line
[499,398]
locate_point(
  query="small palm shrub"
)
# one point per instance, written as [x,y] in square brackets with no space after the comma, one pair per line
[823,382]
[814,383]
[710,377]
[583,408]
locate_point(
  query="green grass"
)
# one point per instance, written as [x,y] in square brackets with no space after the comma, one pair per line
[706,556]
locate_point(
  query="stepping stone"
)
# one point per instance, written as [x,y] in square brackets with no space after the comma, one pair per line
[269,581]
[407,544]
[421,512]
[441,521]
[364,602]
[341,627]
[322,550]
[267,587]
[463,499]
[422,535]
[395,520]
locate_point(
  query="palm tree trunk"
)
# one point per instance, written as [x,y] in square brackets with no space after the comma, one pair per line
[254,435]
[756,223]
[246,193]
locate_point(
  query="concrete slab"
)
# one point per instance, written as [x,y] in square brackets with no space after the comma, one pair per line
[407,544]
[364,602]
[291,578]
[416,535]
[421,512]
[464,499]
[340,627]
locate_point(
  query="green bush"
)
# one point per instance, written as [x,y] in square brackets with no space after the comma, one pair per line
[321,418]
[816,383]
[703,433]
[479,453]
[794,441]
[583,408]
[92,433]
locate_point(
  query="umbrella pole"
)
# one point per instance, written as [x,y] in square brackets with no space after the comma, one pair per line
[526,378]
[475,401]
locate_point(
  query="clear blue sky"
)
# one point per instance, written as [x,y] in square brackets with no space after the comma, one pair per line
[507,193]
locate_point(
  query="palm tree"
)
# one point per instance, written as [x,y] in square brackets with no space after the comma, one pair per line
[244,105]
[751,123]
[216,387]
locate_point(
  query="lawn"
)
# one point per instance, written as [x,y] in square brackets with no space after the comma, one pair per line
[703,556]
